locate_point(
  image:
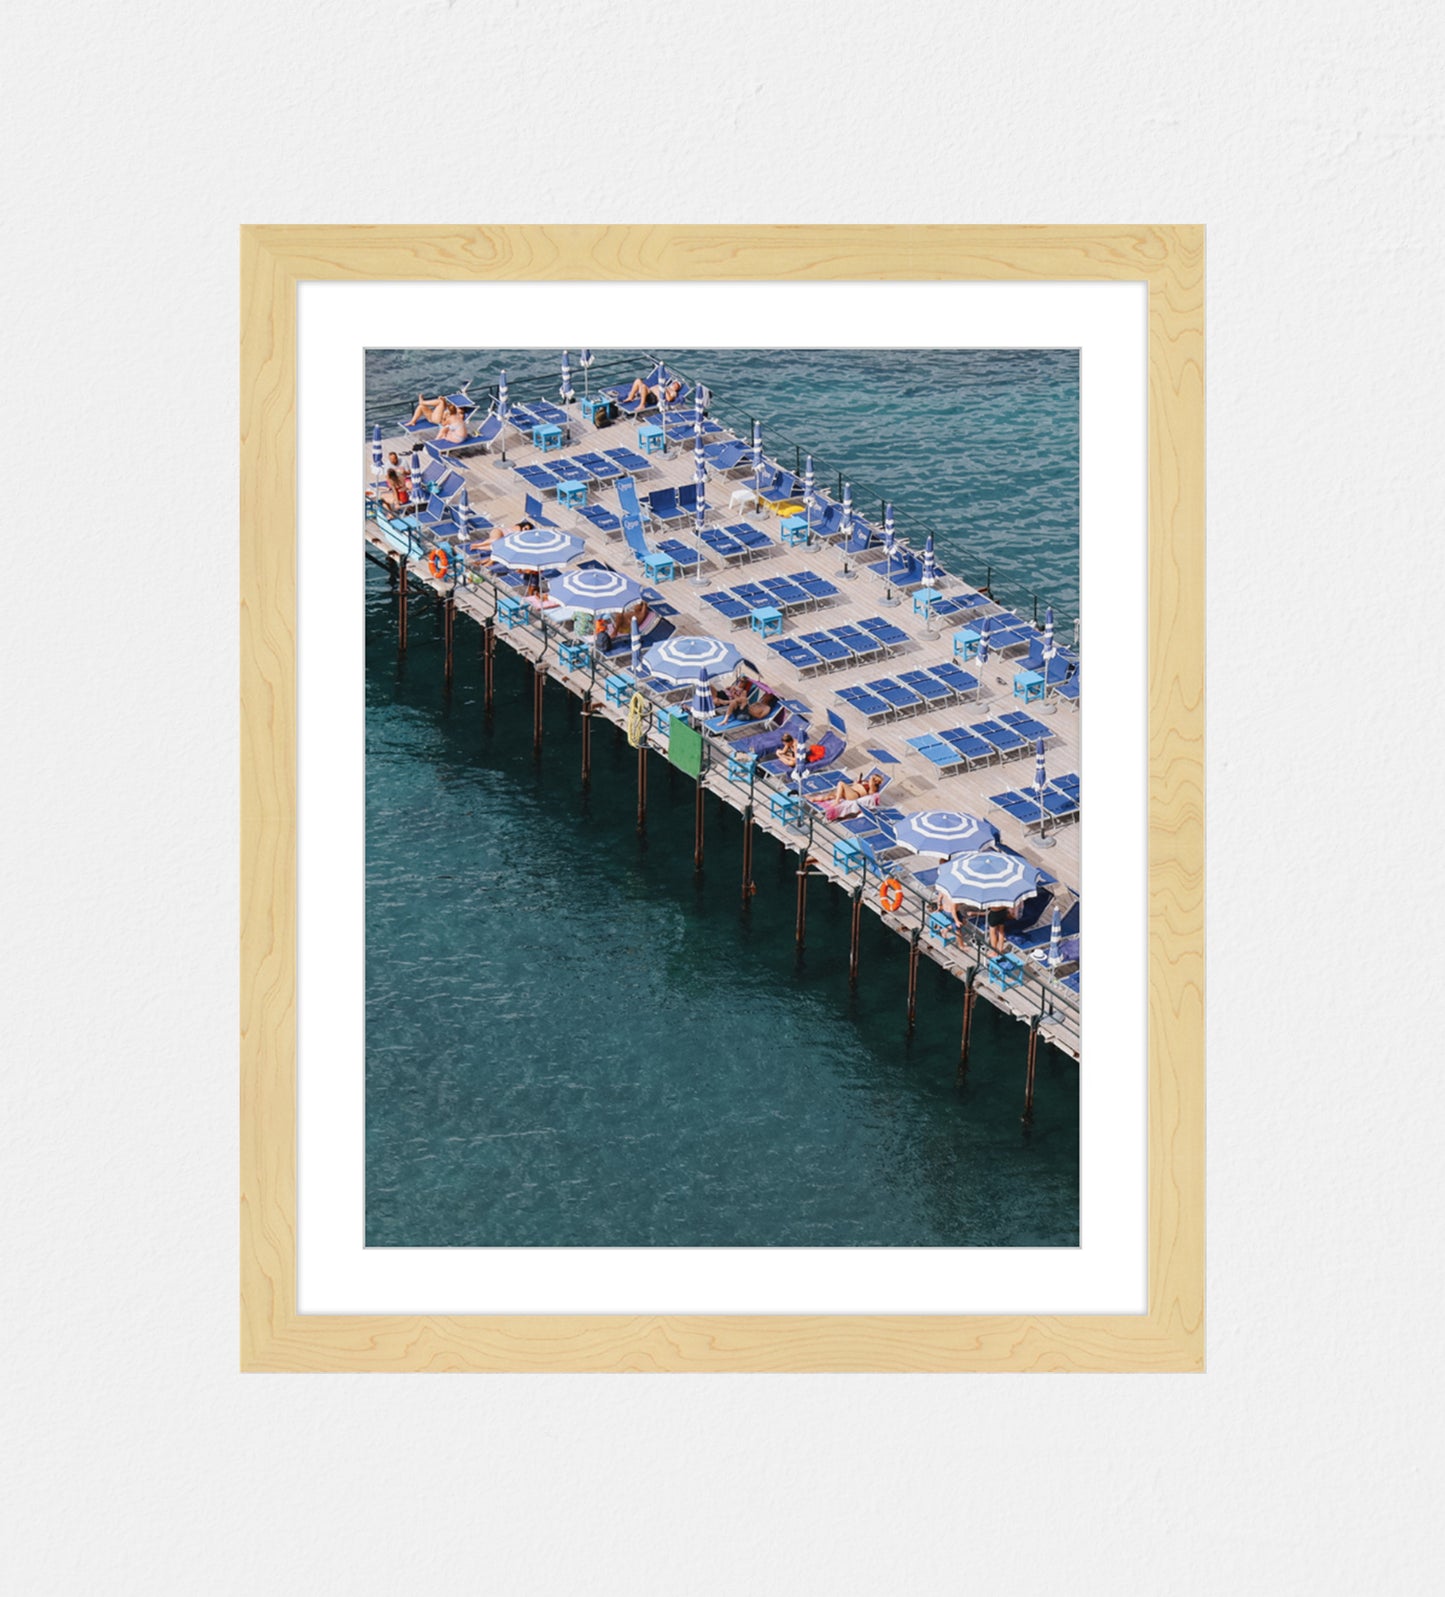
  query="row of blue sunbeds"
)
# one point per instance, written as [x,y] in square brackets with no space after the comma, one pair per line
[799,590]
[961,748]
[1060,802]
[888,698]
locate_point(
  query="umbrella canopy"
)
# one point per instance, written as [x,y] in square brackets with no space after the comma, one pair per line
[542,546]
[596,590]
[945,832]
[988,880]
[688,659]
[702,705]
[377,472]
[568,395]
[930,569]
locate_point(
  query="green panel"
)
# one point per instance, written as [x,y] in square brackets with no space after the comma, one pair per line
[684,745]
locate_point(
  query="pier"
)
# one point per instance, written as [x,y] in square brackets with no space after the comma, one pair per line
[834,574]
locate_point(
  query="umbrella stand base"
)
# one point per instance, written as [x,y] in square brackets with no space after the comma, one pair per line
[699,581]
[1044,842]
[890,601]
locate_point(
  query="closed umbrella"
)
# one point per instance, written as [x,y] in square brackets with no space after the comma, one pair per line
[930,568]
[502,411]
[945,832]
[808,495]
[418,479]
[982,659]
[378,471]
[757,454]
[699,478]
[636,647]
[1054,939]
[1041,781]
[585,361]
[890,545]
[568,394]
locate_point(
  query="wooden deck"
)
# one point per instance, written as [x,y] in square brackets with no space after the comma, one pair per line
[496,491]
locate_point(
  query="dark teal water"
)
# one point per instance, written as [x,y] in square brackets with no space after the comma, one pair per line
[572,1038]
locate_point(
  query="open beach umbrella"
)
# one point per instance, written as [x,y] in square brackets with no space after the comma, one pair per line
[945,832]
[378,471]
[930,569]
[531,551]
[1041,781]
[683,659]
[585,361]
[988,879]
[596,589]
[568,393]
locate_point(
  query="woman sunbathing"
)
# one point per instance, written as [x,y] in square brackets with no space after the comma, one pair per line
[394,492]
[647,392]
[849,798]
[431,410]
[787,751]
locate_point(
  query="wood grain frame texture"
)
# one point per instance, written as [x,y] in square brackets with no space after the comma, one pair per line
[1170,1335]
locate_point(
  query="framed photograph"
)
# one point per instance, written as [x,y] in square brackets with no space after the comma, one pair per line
[664,849]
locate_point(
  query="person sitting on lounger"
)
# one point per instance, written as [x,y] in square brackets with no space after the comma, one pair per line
[787,751]
[454,426]
[732,700]
[610,628]
[394,462]
[648,394]
[394,493]
[432,410]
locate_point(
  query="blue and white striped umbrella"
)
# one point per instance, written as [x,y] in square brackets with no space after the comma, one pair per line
[636,647]
[542,546]
[930,569]
[502,396]
[1049,649]
[418,475]
[568,394]
[988,880]
[596,589]
[1054,939]
[1041,770]
[462,510]
[702,705]
[890,543]
[808,491]
[699,474]
[757,453]
[378,471]
[945,832]
[585,361]
[690,659]
[697,409]
[985,627]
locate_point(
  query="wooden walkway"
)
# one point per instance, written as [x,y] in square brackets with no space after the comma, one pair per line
[496,491]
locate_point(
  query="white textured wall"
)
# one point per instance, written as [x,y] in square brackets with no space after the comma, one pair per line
[1307,137]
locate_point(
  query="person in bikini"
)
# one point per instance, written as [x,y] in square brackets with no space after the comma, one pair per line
[395,493]
[647,392]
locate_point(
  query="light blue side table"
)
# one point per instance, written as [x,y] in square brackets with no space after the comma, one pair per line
[651,439]
[1028,686]
[572,493]
[766,620]
[547,436]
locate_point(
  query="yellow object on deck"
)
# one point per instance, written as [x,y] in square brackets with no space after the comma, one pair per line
[636,724]
[790,507]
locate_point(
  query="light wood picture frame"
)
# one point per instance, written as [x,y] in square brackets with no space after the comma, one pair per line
[1169,1336]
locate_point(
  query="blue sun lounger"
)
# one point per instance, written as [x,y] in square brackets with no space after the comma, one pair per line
[1037,936]
[868,705]
[1024,724]
[727,456]
[630,461]
[535,512]
[749,537]
[681,554]
[599,467]
[1002,738]
[663,506]
[784,486]
[480,439]
[728,605]
[724,547]
[602,519]
[542,478]
[904,700]
[827,648]
[938,753]
[795,654]
[955,677]
[863,644]
[927,687]
[959,604]
[972,748]
[786,594]
[818,588]
[889,635]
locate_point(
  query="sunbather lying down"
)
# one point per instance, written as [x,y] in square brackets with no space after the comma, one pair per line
[647,392]
[850,798]
[441,413]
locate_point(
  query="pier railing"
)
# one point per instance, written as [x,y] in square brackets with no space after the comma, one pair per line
[976,570]
[817,838]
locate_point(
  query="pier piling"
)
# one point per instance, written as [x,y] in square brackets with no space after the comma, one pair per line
[967,1038]
[1029,1077]
[489,656]
[587,737]
[539,684]
[913,943]
[801,927]
[449,624]
[853,936]
[642,786]
[401,607]
[697,821]
[747,855]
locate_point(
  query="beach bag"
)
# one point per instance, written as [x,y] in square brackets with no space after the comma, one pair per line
[816,752]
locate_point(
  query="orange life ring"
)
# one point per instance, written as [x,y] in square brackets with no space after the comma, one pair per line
[890,894]
[438,562]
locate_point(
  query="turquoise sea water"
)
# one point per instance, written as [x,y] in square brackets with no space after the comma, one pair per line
[572,1038]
